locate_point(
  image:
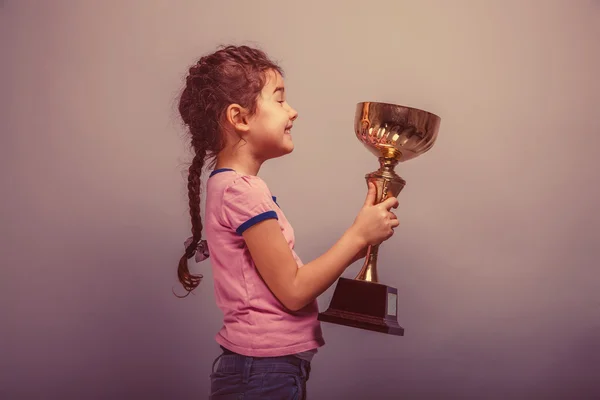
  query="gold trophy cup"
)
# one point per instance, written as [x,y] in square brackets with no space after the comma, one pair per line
[394,134]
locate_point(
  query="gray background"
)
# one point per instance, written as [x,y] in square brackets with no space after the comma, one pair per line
[496,257]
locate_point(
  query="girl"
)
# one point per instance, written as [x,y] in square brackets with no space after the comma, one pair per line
[234,105]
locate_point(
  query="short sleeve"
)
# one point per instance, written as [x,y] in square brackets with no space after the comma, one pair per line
[247,202]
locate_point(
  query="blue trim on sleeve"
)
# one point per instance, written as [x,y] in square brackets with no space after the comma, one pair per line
[275,200]
[216,171]
[255,220]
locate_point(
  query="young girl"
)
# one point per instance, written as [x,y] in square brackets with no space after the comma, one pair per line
[234,105]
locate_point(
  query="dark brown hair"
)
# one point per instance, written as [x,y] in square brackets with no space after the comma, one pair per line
[231,75]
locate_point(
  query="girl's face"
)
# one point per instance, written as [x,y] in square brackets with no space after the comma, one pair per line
[270,126]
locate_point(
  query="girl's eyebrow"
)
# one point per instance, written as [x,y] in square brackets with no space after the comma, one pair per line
[279,89]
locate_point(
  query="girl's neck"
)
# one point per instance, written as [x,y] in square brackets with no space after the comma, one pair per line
[241,163]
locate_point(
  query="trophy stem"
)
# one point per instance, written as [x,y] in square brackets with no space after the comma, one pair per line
[368,272]
[388,183]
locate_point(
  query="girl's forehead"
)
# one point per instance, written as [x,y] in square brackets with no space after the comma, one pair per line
[274,79]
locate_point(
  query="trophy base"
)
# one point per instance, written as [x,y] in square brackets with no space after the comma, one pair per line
[364,305]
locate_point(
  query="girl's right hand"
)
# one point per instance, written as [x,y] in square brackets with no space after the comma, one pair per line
[375,222]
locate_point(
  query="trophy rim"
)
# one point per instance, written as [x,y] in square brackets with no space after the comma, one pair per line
[362,103]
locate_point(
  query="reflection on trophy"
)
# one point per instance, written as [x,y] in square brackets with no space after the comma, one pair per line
[394,134]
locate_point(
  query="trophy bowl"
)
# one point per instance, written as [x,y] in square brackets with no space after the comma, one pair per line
[390,130]
[393,133]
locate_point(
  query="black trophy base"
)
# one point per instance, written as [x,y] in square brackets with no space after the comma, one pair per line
[364,305]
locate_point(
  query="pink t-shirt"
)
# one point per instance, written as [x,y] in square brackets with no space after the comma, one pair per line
[255,322]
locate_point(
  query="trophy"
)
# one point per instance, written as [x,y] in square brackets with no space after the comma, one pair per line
[394,134]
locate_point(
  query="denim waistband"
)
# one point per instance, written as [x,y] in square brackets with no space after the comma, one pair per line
[230,362]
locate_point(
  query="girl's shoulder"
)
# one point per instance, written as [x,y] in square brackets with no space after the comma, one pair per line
[233,182]
[231,187]
[238,199]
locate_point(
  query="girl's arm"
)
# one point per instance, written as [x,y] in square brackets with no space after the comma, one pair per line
[296,287]
[361,254]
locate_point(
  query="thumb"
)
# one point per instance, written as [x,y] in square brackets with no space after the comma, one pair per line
[371,195]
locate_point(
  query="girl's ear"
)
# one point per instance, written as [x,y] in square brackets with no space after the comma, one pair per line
[238,117]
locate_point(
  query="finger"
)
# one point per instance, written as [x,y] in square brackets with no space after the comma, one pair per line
[390,202]
[371,194]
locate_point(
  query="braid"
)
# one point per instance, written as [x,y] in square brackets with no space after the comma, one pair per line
[194,196]
[189,281]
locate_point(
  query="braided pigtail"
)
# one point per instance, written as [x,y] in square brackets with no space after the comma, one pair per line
[194,243]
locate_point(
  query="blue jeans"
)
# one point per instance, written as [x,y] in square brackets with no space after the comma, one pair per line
[264,378]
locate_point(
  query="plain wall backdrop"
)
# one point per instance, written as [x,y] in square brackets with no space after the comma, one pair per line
[496,258]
